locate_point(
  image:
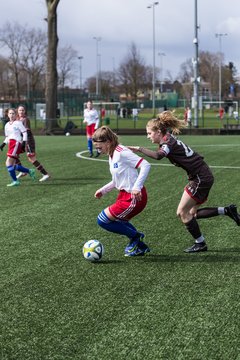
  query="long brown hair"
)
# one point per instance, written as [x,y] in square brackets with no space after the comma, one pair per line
[104,134]
[165,121]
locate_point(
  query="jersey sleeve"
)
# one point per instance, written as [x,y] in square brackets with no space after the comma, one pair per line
[143,173]
[23,131]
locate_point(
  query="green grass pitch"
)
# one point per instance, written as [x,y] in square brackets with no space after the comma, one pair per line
[167,305]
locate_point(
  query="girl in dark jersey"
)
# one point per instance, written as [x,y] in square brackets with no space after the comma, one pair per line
[30,146]
[200,177]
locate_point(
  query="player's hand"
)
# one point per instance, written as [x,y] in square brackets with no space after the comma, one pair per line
[134,148]
[137,195]
[2,146]
[84,121]
[98,194]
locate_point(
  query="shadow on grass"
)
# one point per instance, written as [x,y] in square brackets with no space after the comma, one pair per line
[212,256]
[107,262]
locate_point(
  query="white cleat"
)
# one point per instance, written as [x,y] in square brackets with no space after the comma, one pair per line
[21,175]
[44,178]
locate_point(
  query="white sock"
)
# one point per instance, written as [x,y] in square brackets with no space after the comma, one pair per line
[221,211]
[200,239]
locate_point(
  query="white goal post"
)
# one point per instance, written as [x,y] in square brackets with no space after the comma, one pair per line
[232,105]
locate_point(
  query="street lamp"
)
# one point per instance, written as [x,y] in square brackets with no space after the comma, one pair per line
[80,71]
[98,63]
[195,62]
[161,54]
[219,36]
[152,6]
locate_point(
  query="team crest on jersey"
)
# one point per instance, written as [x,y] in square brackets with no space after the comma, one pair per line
[115,165]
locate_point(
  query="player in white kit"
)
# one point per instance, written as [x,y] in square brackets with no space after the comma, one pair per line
[91,119]
[16,138]
[132,197]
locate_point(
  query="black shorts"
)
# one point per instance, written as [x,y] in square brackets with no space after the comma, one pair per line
[200,184]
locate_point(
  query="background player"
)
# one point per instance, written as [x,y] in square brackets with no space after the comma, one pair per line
[91,119]
[30,145]
[16,137]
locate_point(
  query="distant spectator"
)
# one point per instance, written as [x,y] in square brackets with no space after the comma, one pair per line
[70,126]
[129,113]
[189,116]
[186,115]
[5,118]
[124,111]
[102,114]
[235,115]
[221,113]
[135,114]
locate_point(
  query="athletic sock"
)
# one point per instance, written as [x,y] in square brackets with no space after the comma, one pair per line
[193,227]
[117,227]
[11,170]
[39,167]
[90,146]
[207,213]
[21,168]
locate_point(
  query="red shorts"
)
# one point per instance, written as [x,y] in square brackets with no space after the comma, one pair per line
[14,149]
[126,207]
[90,129]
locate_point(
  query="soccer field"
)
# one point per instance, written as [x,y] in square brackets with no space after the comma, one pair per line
[167,305]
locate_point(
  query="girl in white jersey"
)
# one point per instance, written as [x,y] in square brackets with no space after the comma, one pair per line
[132,197]
[16,137]
[91,119]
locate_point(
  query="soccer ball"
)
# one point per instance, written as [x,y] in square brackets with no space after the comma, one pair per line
[67,134]
[93,250]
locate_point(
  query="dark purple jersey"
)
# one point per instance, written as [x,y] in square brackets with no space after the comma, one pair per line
[180,154]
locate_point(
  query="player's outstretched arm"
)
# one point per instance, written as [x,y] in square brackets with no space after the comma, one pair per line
[158,155]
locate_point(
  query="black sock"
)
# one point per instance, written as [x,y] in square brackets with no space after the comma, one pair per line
[193,227]
[207,213]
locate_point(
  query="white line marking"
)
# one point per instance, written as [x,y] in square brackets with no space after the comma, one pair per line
[79,154]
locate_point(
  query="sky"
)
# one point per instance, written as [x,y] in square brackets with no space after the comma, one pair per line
[119,23]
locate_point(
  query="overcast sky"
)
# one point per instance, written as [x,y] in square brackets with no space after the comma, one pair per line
[120,22]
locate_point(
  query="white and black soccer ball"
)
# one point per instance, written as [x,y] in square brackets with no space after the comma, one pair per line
[93,250]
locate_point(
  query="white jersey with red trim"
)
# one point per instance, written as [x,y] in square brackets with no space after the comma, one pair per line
[15,131]
[91,116]
[123,167]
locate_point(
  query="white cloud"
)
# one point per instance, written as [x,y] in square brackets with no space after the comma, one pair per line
[120,22]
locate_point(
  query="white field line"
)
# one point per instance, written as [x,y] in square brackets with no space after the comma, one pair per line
[81,156]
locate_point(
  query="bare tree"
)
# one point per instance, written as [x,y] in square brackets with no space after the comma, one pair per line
[6,83]
[67,57]
[33,57]
[51,71]
[26,58]
[132,72]
[11,37]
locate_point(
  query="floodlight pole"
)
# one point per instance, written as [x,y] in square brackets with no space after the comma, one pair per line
[152,6]
[98,39]
[80,71]
[161,54]
[195,68]
[219,36]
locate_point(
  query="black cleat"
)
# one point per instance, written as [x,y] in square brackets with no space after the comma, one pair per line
[197,247]
[97,154]
[91,155]
[231,211]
